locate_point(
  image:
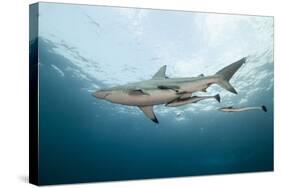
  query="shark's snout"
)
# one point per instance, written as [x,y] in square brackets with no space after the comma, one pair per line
[101,94]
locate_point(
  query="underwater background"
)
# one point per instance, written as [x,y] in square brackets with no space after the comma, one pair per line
[85,48]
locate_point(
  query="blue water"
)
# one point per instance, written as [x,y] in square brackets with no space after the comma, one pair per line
[85,139]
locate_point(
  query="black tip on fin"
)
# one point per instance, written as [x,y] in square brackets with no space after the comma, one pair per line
[155,120]
[234,91]
[218,98]
[264,108]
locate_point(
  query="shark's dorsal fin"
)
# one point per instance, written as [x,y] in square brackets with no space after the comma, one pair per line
[229,107]
[201,75]
[161,73]
[148,111]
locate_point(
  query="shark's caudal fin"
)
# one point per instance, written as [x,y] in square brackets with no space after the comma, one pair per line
[264,108]
[161,73]
[148,111]
[226,74]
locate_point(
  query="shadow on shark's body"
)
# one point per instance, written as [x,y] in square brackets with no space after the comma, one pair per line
[170,91]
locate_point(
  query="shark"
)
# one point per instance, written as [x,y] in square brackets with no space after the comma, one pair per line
[172,92]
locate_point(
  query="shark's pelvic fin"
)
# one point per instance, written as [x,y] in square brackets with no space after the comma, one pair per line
[148,111]
[161,73]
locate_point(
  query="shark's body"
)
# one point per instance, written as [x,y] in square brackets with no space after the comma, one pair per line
[243,109]
[163,90]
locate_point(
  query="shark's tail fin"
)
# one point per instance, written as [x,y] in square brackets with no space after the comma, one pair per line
[217,97]
[226,74]
[264,108]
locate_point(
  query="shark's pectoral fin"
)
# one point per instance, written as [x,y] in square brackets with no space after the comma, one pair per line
[148,111]
[137,92]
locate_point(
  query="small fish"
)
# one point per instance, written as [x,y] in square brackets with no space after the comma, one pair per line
[232,109]
[189,100]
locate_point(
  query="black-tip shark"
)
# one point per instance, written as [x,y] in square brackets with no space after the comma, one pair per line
[243,109]
[170,91]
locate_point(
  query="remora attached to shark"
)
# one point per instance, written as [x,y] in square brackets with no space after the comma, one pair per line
[189,100]
[170,91]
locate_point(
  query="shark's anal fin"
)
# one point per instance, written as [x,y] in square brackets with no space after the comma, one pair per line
[148,111]
[137,92]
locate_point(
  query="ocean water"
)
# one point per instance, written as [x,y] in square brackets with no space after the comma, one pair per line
[86,48]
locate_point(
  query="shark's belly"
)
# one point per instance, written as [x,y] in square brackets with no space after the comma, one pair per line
[153,98]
